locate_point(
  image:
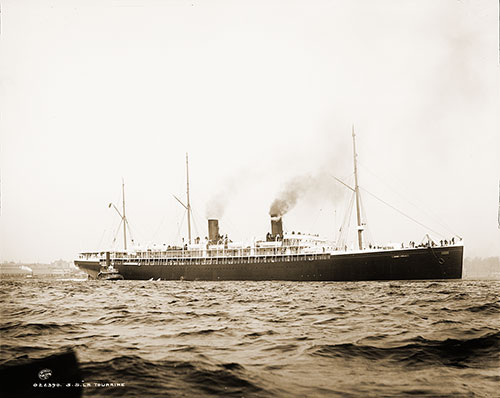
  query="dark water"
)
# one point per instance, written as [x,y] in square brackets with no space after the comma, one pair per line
[263,339]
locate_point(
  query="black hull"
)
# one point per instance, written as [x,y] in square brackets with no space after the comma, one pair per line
[404,264]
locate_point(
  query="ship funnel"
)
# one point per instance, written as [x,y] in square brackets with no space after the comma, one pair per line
[213,230]
[276,227]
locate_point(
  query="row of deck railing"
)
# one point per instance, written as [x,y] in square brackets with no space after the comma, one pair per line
[209,253]
[223,260]
[232,252]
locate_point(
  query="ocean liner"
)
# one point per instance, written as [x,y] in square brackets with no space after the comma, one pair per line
[280,256]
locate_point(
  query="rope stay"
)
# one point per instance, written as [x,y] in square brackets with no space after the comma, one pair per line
[422,208]
[130,231]
[180,225]
[366,224]
[117,230]
[344,228]
[159,227]
[195,227]
[404,214]
[194,212]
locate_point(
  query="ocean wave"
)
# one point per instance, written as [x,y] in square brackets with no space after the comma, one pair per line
[446,321]
[282,347]
[435,284]
[202,332]
[38,329]
[473,352]
[10,326]
[490,308]
[260,334]
[171,378]
[16,355]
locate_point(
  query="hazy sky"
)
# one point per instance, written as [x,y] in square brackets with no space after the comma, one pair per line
[259,93]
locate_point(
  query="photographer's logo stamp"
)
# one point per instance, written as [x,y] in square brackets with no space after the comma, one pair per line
[44,374]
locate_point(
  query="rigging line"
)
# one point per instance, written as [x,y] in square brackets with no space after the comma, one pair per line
[367,230]
[130,231]
[400,212]
[437,219]
[197,233]
[137,231]
[117,230]
[180,225]
[348,177]
[195,213]
[102,237]
[159,226]
[364,220]
[349,222]
[313,223]
[346,222]
[347,212]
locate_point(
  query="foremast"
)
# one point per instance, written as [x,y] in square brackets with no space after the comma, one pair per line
[188,207]
[356,192]
[124,218]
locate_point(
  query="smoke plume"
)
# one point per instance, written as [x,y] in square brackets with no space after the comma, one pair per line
[318,186]
[288,197]
[217,204]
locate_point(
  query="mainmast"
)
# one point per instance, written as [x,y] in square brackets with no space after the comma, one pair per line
[124,218]
[188,203]
[356,190]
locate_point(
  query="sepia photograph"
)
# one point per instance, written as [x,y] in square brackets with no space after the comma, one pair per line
[249,199]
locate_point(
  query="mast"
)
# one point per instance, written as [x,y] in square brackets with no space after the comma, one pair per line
[188,203]
[124,219]
[356,190]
